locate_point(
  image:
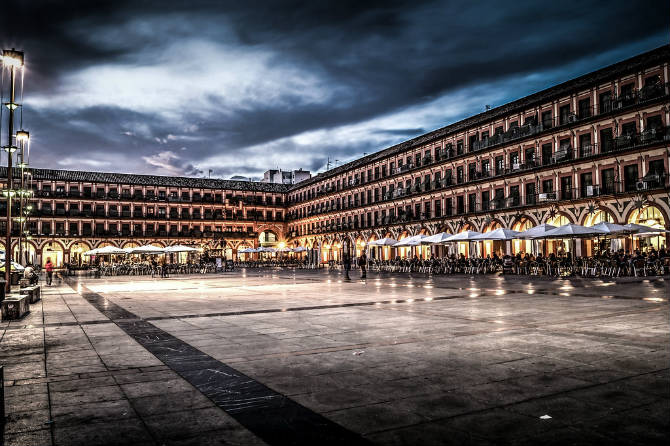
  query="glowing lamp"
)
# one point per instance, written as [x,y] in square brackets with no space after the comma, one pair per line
[12,58]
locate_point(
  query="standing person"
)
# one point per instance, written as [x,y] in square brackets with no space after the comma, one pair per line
[49,267]
[362,262]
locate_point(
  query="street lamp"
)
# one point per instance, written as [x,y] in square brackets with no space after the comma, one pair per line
[11,59]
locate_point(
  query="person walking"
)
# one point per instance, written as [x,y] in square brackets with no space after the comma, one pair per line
[362,262]
[49,267]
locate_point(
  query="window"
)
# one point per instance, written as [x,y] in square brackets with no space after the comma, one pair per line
[566,188]
[472,202]
[529,156]
[564,113]
[460,205]
[546,153]
[630,177]
[530,193]
[586,185]
[605,101]
[628,129]
[606,140]
[486,168]
[500,165]
[546,120]
[459,147]
[654,123]
[515,198]
[486,198]
[584,108]
[547,186]
[656,167]
[438,208]
[585,145]
[459,174]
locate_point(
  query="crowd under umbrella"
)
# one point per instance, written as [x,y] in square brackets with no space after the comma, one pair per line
[535,233]
[500,234]
[573,232]
[414,240]
[465,236]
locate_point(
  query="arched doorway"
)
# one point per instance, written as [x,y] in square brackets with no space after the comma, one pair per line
[522,246]
[465,248]
[77,251]
[653,217]
[29,253]
[493,246]
[591,246]
[404,251]
[54,252]
[557,246]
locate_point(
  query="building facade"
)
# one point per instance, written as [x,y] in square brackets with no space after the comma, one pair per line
[591,149]
[74,212]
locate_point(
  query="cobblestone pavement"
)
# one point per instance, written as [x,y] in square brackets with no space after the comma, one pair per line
[283,357]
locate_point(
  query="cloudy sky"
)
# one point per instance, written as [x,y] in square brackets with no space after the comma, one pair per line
[182,87]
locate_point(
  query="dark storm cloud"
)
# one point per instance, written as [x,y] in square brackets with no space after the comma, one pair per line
[237,87]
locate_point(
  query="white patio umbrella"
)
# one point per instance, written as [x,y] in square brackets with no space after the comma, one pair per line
[386,241]
[284,249]
[299,249]
[437,238]
[107,250]
[537,231]
[246,251]
[610,228]
[415,240]
[266,249]
[634,228]
[92,252]
[147,249]
[465,236]
[572,230]
[180,248]
[498,234]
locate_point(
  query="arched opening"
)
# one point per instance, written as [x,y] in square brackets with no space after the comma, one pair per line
[492,246]
[464,247]
[403,251]
[267,238]
[599,216]
[29,253]
[522,246]
[558,246]
[52,251]
[653,217]
[77,251]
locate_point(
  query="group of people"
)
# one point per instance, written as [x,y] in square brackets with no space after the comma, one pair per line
[31,274]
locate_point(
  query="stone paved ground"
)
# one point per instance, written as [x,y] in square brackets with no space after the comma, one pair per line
[393,360]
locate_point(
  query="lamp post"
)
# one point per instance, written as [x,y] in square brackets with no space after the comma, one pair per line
[11,59]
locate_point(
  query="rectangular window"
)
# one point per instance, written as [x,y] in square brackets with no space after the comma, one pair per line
[438,208]
[546,120]
[566,188]
[472,202]
[586,185]
[606,140]
[530,193]
[564,113]
[584,108]
[546,154]
[630,177]
[605,101]
[547,186]
[486,198]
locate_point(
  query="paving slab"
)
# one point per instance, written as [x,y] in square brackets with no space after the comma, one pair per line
[277,357]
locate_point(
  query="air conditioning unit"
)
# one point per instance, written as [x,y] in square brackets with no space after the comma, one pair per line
[547,196]
[641,185]
[589,191]
[516,166]
[572,118]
